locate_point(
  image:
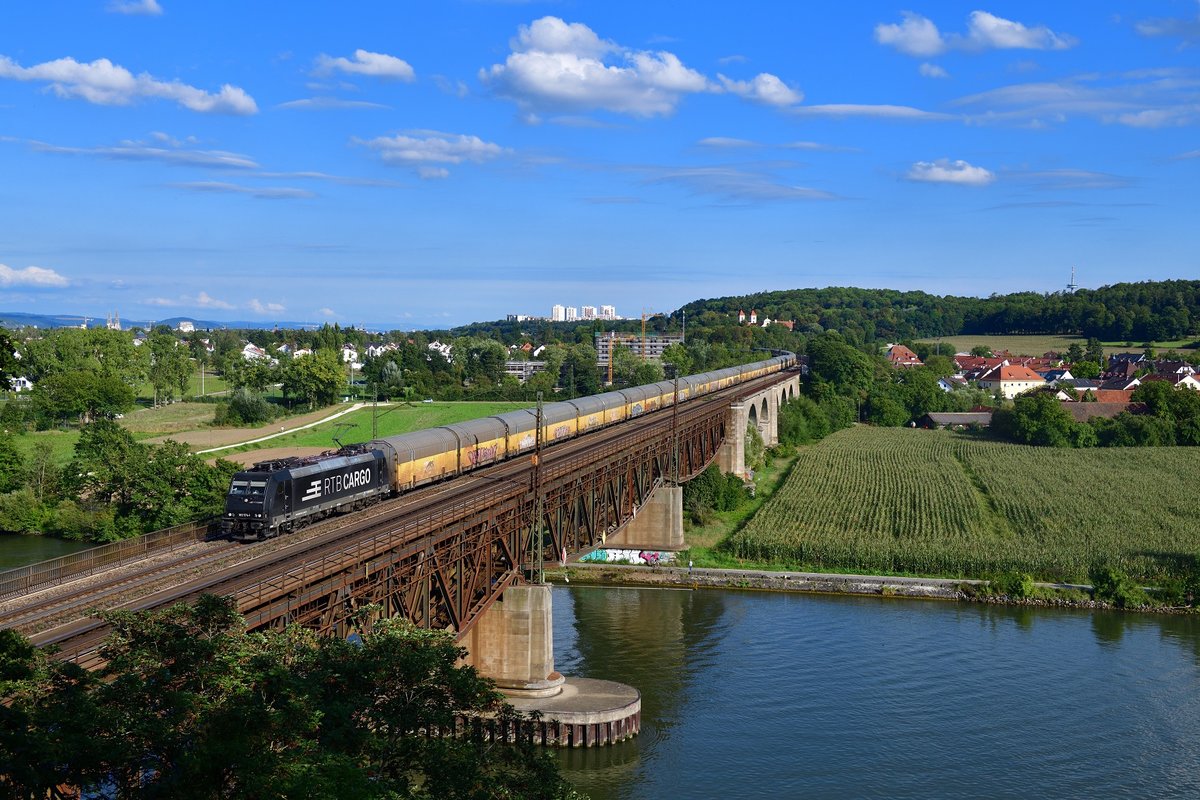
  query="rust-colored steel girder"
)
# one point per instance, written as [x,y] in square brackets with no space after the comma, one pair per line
[442,569]
[443,558]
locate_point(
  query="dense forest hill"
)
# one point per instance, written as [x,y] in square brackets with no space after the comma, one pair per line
[1135,312]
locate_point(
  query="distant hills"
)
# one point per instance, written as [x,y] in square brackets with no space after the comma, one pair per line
[17,319]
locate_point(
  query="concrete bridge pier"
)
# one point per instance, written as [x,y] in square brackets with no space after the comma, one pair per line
[513,644]
[760,410]
[656,525]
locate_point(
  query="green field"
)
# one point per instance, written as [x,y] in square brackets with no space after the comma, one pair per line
[213,384]
[168,419]
[356,426]
[940,503]
[62,444]
[1037,345]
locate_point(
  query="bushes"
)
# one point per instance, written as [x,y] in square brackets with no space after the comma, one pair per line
[712,491]
[244,408]
[802,421]
[1114,586]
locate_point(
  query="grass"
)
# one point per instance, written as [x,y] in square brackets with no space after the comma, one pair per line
[1037,345]
[936,503]
[213,384]
[62,444]
[168,419]
[392,420]
[704,540]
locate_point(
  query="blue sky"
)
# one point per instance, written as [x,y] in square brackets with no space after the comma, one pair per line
[423,164]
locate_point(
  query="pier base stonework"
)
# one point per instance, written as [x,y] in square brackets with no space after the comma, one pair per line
[513,643]
[657,525]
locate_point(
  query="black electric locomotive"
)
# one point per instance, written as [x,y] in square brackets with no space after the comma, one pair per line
[277,496]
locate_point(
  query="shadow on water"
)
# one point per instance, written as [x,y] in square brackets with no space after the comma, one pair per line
[655,641]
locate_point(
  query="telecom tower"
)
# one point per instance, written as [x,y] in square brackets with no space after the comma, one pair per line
[1072,286]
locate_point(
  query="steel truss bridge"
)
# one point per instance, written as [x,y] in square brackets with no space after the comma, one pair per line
[447,552]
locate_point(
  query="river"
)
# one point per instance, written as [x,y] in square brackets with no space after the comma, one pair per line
[748,694]
[17,551]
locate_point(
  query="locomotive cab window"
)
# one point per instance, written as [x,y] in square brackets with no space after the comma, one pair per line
[248,488]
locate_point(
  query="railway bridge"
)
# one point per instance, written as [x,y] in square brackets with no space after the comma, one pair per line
[466,555]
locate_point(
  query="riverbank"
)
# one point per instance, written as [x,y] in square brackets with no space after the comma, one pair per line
[1049,595]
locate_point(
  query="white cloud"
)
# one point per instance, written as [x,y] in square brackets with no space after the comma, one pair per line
[202,300]
[819,146]
[1071,179]
[261,192]
[31,276]
[265,308]
[914,35]
[726,142]
[104,83]
[1152,118]
[205,301]
[867,110]
[326,103]
[733,59]
[918,36]
[327,312]
[375,65]
[177,153]
[555,65]
[932,71]
[147,7]
[1187,29]
[987,31]
[553,35]
[1138,99]
[946,171]
[763,88]
[733,184]
[433,173]
[423,149]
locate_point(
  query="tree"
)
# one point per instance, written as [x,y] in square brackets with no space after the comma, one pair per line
[1095,351]
[1037,418]
[169,365]
[678,355]
[81,396]
[12,465]
[1074,353]
[981,351]
[316,378]
[189,705]
[8,360]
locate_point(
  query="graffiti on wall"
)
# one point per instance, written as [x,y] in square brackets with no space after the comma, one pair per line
[622,556]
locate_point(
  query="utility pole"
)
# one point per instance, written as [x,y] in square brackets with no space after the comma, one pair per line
[643,334]
[535,531]
[683,336]
[610,356]
[675,429]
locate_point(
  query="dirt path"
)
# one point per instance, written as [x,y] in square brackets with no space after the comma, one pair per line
[269,454]
[226,437]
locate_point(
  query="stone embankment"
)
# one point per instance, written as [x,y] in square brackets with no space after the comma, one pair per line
[824,583]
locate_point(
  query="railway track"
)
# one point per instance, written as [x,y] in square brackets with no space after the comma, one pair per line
[81,639]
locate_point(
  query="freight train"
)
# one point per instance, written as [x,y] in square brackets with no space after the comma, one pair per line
[274,497]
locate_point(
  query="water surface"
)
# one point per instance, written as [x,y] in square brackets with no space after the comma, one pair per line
[758,694]
[17,551]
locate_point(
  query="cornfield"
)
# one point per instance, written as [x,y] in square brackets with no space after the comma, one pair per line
[940,503]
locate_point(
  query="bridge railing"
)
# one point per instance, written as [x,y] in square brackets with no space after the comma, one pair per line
[23,580]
